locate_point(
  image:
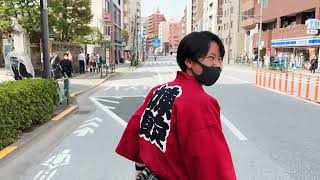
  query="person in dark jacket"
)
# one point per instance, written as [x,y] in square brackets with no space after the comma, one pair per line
[66,65]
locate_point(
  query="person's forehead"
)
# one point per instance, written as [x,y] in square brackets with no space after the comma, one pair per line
[214,49]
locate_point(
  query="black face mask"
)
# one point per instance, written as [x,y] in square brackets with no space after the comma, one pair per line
[209,75]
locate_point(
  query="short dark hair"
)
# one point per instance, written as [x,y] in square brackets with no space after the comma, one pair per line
[195,46]
[65,54]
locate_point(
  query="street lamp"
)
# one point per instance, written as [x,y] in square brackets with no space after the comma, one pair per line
[45,37]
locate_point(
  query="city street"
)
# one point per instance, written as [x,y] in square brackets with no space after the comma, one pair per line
[271,135]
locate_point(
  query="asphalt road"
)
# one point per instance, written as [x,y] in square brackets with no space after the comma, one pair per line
[271,135]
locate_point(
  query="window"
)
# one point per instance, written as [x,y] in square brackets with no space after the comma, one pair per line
[231,25]
[231,10]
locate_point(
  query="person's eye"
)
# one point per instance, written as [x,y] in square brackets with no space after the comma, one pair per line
[211,57]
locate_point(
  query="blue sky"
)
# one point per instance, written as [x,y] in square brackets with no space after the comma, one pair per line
[170,8]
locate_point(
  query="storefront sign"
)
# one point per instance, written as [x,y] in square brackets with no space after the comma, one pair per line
[313,24]
[312,31]
[296,42]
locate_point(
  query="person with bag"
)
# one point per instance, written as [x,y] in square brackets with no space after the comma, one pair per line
[176,134]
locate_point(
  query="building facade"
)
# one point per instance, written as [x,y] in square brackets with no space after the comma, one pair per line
[132,24]
[230,32]
[290,29]
[175,35]
[210,15]
[164,31]
[197,15]
[112,29]
[153,22]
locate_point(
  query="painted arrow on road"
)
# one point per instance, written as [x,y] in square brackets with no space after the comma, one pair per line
[85,128]
[84,131]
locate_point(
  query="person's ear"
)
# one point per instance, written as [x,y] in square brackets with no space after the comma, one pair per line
[188,63]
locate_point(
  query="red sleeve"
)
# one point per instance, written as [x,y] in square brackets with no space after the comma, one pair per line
[128,146]
[205,150]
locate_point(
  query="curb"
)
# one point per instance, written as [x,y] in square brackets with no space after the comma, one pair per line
[71,109]
[18,144]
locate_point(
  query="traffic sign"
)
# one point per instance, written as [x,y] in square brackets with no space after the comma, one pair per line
[156,42]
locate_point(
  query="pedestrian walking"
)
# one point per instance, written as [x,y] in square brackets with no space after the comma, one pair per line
[176,133]
[69,56]
[81,59]
[87,62]
[93,62]
[66,65]
[314,64]
[99,62]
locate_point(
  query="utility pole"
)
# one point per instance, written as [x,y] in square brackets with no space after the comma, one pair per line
[45,37]
[111,59]
[229,29]
[260,29]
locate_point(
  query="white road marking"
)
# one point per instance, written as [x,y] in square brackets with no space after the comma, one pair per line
[108,111]
[89,124]
[106,100]
[159,77]
[233,129]
[234,78]
[83,132]
[95,119]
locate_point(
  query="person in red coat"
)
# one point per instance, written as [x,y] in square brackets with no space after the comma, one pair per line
[176,134]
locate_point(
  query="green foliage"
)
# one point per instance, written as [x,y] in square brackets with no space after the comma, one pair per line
[23,104]
[5,22]
[26,13]
[69,19]
[125,35]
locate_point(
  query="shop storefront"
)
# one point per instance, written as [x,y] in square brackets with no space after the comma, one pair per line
[298,51]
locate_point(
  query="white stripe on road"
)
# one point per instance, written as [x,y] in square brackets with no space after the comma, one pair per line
[234,78]
[159,77]
[233,129]
[105,100]
[108,111]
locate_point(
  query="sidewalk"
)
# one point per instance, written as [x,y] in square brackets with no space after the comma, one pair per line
[4,76]
[84,82]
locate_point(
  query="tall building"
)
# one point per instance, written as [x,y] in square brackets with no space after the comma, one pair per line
[152,28]
[175,35]
[197,15]
[231,33]
[189,17]
[290,28]
[132,23]
[210,15]
[184,22]
[164,32]
[144,35]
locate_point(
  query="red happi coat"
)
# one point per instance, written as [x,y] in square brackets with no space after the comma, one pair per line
[177,134]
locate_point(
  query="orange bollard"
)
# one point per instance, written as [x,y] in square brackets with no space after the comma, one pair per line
[316,91]
[280,82]
[292,84]
[257,76]
[286,84]
[264,78]
[269,82]
[299,85]
[308,88]
[274,80]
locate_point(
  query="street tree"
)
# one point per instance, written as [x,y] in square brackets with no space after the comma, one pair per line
[125,35]
[69,19]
